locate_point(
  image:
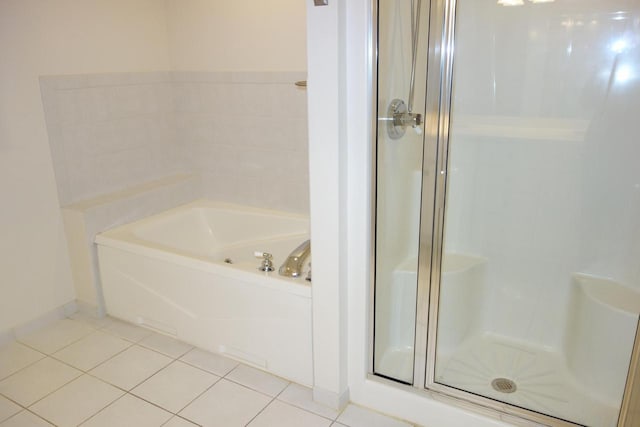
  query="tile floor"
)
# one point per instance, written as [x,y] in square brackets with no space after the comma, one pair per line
[105,373]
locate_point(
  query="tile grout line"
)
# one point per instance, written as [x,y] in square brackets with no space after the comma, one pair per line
[130,392]
[14,402]
[66,345]
[304,409]
[132,343]
[83,372]
[102,409]
[266,406]
[50,356]
[41,417]
[182,418]
[139,345]
[123,389]
[44,355]
[58,388]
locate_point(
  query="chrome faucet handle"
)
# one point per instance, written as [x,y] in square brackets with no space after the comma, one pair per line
[292,267]
[399,118]
[267,263]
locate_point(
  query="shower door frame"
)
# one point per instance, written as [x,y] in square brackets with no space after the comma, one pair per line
[440,59]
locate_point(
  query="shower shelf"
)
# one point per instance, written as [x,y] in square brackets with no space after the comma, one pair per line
[610,293]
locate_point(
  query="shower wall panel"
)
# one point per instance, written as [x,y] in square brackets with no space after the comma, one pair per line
[543,179]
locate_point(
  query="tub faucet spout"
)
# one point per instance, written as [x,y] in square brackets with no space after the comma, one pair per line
[292,267]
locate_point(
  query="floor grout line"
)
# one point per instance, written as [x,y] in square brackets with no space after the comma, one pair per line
[102,409]
[41,417]
[262,410]
[172,360]
[58,388]
[66,345]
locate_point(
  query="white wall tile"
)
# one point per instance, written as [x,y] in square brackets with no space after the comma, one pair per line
[113,131]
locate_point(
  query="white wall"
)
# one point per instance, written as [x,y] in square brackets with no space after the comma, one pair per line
[40,38]
[327,168]
[103,36]
[239,35]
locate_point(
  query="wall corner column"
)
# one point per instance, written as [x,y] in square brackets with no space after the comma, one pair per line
[328,185]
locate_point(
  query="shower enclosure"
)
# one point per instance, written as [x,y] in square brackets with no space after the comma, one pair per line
[507,208]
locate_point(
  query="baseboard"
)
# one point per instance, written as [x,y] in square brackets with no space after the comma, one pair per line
[39,322]
[332,400]
[89,309]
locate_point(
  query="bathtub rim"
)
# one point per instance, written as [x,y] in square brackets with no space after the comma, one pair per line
[123,238]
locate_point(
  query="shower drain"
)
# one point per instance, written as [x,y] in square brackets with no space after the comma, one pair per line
[504,385]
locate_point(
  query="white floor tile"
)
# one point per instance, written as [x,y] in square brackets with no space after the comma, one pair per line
[210,362]
[129,411]
[357,416]
[280,414]
[25,419]
[175,386]
[302,397]
[131,367]
[8,408]
[226,404]
[91,350]
[37,380]
[16,356]
[57,335]
[338,425]
[126,330]
[258,380]
[166,345]
[76,401]
[179,422]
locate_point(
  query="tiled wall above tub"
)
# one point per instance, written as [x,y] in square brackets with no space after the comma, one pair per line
[108,132]
[246,134]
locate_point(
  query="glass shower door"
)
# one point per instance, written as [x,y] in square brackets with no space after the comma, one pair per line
[402,29]
[539,279]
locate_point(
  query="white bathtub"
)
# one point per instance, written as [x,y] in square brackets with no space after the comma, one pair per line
[168,272]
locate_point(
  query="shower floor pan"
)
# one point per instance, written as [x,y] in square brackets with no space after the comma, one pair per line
[530,377]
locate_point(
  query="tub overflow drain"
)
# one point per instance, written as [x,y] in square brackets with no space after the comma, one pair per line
[504,385]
